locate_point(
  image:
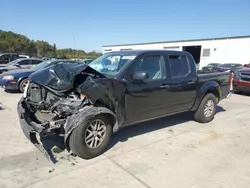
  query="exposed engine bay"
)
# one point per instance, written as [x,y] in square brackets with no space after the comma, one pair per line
[51,110]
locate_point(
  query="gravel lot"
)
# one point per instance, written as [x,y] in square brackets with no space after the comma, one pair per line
[168,153]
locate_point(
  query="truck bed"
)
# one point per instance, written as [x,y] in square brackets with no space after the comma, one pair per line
[222,78]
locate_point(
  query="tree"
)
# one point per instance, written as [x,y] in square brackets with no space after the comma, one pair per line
[16,43]
[32,50]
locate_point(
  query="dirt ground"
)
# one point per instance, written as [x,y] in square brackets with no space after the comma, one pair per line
[173,152]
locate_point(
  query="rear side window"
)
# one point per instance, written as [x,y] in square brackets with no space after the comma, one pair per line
[35,62]
[14,57]
[24,62]
[179,66]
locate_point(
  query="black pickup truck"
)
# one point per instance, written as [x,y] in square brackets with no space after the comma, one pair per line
[84,104]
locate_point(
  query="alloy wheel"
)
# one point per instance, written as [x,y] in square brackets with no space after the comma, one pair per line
[209,108]
[95,133]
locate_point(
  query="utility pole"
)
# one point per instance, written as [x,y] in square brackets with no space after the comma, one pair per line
[74,47]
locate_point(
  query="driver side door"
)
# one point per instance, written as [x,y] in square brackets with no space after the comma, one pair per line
[144,98]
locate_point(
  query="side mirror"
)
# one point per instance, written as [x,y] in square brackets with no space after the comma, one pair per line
[140,76]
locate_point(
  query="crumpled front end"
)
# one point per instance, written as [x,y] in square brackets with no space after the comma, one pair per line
[48,116]
[50,138]
[46,136]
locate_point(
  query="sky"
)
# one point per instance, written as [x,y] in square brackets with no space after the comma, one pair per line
[90,24]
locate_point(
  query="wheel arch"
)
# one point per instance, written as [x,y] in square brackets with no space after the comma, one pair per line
[86,114]
[208,87]
[20,80]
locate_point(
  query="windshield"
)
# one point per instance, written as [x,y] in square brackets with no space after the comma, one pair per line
[41,65]
[13,62]
[111,64]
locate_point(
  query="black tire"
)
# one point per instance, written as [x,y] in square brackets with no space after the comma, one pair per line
[200,113]
[22,85]
[78,144]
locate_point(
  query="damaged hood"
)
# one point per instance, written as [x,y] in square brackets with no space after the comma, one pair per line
[60,77]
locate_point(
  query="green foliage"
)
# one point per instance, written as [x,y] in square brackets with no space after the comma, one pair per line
[20,44]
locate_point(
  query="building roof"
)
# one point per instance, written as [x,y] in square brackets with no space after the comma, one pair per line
[139,52]
[189,40]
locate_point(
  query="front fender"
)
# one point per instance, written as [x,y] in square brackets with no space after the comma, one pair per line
[207,87]
[20,79]
[85,114]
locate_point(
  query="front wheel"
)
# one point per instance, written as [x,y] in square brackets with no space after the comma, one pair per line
[207,109]
[91,138]
[23,84]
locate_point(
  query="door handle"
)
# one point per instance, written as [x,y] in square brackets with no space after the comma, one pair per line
[165,86]
[191,82]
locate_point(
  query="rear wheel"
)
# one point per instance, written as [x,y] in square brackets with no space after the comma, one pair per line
[207,109]
[91,138]
[23,84]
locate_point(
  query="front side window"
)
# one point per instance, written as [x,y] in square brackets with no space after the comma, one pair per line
[179,66]
[111,64]
[152,66]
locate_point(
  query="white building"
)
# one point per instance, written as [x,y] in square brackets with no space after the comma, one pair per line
[210,50]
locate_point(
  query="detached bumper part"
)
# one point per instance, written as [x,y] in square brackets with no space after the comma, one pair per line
[229,94]
[35,133]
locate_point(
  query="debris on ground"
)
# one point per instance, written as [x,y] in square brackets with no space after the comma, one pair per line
[69,157]
[51,170]
[171,130]
[57,150]
[1,107]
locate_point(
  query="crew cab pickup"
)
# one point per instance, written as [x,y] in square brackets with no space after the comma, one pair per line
[84,104]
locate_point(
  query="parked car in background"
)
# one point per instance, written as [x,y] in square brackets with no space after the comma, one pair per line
[241,80]
[23,63]
[24,56]
[87,60]
[211,67]
[8,57]
[85,104]
[247,65]
[17,79]
[228,67]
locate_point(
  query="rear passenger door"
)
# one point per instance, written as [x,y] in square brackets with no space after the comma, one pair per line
[182,81]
